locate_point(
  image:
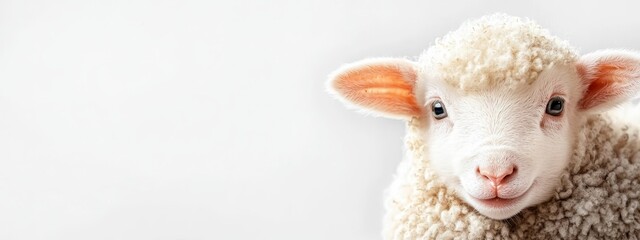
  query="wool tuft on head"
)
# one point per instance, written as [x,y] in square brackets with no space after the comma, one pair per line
[496,50]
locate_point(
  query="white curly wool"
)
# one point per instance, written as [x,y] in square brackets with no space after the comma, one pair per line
[598,196]
[495,49]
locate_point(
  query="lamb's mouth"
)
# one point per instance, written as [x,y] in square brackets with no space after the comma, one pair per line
[498,202]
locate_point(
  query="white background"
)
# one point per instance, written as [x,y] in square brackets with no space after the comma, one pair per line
[209,119]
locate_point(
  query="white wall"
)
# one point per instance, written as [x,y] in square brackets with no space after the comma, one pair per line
[209,120]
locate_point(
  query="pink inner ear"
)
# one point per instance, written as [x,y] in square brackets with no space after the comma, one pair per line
[607,81]
[383,88]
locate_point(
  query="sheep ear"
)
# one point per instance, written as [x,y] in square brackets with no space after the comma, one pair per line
[383,87]
[610,76]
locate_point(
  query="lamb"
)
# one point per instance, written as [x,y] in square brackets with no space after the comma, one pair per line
[511,134]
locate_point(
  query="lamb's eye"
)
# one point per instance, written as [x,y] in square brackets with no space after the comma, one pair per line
[555,106]
[439,112]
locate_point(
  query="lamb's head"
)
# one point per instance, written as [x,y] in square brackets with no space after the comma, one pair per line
[503,101]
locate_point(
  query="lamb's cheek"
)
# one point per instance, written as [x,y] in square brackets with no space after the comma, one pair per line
[563,149]
[438,156]
[440,152]
[442,161]
[552,153]
[453,153]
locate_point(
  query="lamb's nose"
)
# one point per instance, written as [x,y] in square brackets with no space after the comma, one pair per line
[496,175]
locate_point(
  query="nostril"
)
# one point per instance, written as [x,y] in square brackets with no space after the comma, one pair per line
[514,170]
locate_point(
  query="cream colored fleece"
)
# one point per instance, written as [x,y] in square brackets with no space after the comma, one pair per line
[598,195]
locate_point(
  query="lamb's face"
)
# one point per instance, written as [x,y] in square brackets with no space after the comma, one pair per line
[503,149]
